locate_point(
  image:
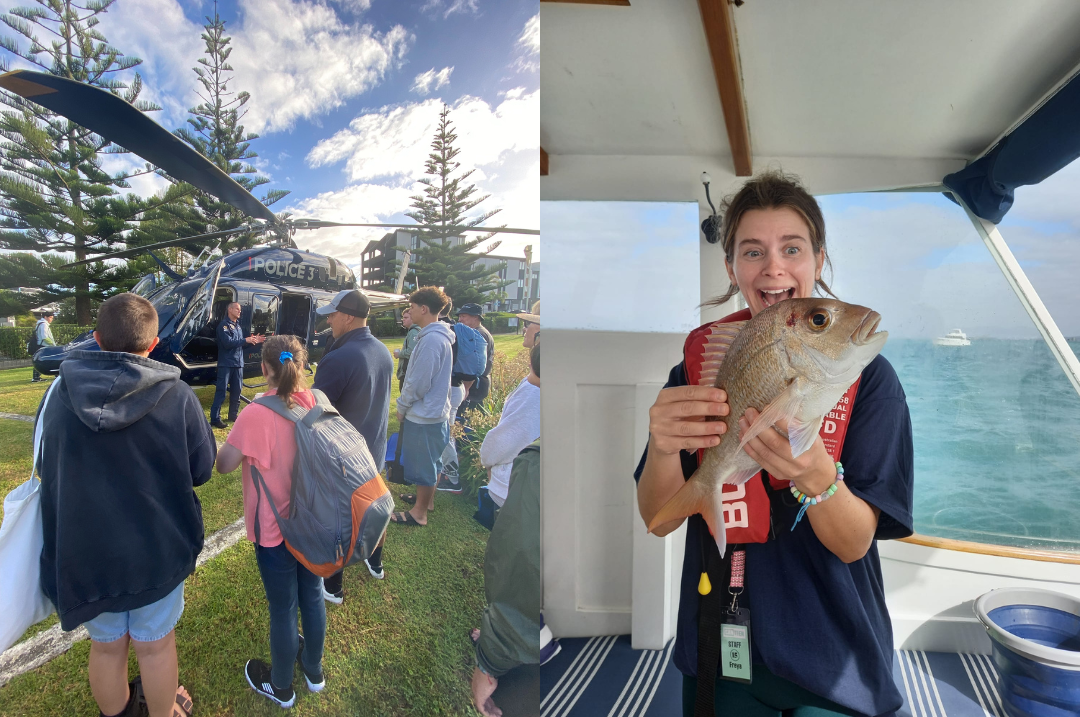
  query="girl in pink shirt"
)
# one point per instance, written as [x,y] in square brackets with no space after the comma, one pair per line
[264,439]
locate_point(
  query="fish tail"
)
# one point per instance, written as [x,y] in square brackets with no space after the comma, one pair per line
[702,497]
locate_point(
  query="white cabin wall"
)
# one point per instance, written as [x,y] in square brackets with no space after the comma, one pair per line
[597,388]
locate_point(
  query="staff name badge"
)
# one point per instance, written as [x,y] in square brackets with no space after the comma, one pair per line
[735,660]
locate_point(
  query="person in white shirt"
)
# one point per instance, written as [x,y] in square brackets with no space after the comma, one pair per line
[518,427]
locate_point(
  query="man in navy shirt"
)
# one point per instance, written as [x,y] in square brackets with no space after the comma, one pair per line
[355,375]
[230,364]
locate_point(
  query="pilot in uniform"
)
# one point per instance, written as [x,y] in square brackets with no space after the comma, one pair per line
[230,364]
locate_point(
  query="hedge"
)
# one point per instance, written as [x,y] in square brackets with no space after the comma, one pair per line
[496,322]
[13,339]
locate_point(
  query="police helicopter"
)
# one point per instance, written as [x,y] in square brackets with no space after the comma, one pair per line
[277,285]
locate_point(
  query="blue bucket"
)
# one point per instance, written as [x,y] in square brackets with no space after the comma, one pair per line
[1036,649]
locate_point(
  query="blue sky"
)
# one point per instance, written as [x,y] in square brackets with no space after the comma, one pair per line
[345,94]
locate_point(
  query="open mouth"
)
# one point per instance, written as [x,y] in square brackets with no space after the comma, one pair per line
[774,296]
[867,329]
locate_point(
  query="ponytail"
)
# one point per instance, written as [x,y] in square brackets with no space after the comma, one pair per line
[286,373]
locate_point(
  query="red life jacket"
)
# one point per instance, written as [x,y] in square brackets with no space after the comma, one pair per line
[746,506]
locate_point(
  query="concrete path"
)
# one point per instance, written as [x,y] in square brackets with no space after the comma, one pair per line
[17,417]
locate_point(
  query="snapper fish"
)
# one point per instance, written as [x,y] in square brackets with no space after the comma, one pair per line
[793,361]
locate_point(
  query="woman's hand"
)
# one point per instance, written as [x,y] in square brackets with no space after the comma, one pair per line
[813,471]
[677,421]
[845,523]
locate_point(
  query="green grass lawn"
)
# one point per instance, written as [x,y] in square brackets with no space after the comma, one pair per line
[395,647]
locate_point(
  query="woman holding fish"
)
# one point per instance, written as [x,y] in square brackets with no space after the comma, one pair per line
[793,385]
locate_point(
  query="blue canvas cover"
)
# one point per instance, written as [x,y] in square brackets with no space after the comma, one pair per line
[1044,143]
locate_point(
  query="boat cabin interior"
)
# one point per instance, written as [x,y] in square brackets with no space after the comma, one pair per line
[956,107]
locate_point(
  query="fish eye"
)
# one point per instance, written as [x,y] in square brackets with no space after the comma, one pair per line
[819,319]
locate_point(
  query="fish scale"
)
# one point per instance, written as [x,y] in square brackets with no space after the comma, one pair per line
[784,366]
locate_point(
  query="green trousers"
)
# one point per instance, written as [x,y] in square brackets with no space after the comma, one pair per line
[767,696]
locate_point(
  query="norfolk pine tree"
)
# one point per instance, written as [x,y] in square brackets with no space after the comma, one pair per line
[215,131]
[54,193]
[445,201]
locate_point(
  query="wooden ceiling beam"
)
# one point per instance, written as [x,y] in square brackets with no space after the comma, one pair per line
[543,163]
[623,3]
[724,49]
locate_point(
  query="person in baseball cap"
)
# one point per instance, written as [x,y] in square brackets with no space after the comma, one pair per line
[355,375]
[532,325]
[469,314]
[350,301]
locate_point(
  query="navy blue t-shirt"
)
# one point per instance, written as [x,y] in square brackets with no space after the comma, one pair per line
[355,375]
[815,620]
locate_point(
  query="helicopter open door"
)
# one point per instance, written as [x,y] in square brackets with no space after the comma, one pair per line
[197,314]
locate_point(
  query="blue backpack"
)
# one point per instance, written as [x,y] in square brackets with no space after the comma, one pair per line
[471,356]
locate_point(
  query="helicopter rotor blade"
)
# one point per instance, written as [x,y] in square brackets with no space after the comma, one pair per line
[120,122]
[320,224]
[160,245]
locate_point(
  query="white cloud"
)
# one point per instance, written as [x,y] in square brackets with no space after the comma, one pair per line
[394,141]
[425,82]
[451,7]
[384,153]
[168,43]
[298,58]
[530,36]
[528,46]
[359,203]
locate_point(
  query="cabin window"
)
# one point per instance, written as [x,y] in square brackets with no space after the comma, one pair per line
[994,419]
[264,310]
[620,266]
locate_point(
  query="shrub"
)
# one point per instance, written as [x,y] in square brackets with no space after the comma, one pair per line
[506,374]
[13,339]
[384,326]
[498,322]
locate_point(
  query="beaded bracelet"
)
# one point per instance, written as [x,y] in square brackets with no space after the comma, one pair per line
[806,501]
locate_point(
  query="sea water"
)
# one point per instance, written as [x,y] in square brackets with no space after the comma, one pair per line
[996,428]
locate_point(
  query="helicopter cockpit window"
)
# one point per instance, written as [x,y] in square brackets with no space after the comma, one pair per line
[171,301]
[145,286]
[322,323]
[264,310]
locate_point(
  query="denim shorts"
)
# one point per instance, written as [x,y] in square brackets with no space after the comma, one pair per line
[145,624]
[422,445]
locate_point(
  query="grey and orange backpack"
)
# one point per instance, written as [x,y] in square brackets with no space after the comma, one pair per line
[339,507]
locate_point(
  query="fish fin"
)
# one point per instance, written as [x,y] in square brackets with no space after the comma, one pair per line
[716,346]
[802,435]
[740,477]
[783,407]
[696,497]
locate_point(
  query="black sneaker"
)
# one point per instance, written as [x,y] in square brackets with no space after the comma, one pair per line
[447,485]
[217,424]
[315,683]
[257,673]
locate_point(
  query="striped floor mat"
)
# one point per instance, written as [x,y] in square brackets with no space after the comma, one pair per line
[597,676]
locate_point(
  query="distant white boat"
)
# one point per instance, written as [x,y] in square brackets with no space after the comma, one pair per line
[956,337]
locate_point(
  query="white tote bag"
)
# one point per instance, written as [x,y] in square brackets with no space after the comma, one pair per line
[22,603]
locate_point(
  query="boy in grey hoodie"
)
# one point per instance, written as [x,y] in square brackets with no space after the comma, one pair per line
[423,409]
